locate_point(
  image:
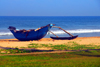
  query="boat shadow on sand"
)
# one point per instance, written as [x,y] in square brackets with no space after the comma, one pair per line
[38,51]
[27,49]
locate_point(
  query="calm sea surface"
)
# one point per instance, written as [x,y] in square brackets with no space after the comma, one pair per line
[84,26]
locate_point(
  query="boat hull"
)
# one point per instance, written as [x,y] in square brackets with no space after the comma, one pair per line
[32,35]
[64,38]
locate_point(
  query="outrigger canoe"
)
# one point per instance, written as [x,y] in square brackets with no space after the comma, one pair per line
[63,38]
[32,34]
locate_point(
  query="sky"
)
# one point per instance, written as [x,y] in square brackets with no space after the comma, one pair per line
[49,7]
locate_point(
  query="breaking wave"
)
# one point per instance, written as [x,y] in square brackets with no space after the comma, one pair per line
[77,31]
[5,33]
[61,32]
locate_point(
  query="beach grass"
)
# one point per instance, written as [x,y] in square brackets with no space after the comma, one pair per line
[13,51]
[89,58]
[33,45]
[69,46]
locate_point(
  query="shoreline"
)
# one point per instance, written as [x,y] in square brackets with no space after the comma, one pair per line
[80,40]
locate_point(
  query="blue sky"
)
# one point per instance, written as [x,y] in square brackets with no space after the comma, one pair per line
[49,7]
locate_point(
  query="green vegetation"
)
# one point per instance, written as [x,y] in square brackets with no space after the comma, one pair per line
[33,45]
[89,58]
[68,46]
[13,51]
[85,56]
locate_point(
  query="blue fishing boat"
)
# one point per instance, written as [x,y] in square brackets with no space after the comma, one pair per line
[32,34]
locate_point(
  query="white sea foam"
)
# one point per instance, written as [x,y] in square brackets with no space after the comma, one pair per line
[84,31]
[61,32]
[5,33]
[77,31]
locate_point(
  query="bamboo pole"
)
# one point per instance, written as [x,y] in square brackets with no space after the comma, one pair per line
[64,30]
[54,34]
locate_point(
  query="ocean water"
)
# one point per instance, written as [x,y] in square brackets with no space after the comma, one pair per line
[83,26]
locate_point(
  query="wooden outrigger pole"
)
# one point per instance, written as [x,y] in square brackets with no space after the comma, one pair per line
[64,30]
[54,34]
[63,38]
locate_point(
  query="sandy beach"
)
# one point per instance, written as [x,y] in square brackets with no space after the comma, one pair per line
[80,40]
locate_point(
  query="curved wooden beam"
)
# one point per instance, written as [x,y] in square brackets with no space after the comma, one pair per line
[54,34]
[63,30]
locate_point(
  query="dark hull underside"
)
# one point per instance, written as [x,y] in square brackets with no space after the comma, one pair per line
[64,38]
